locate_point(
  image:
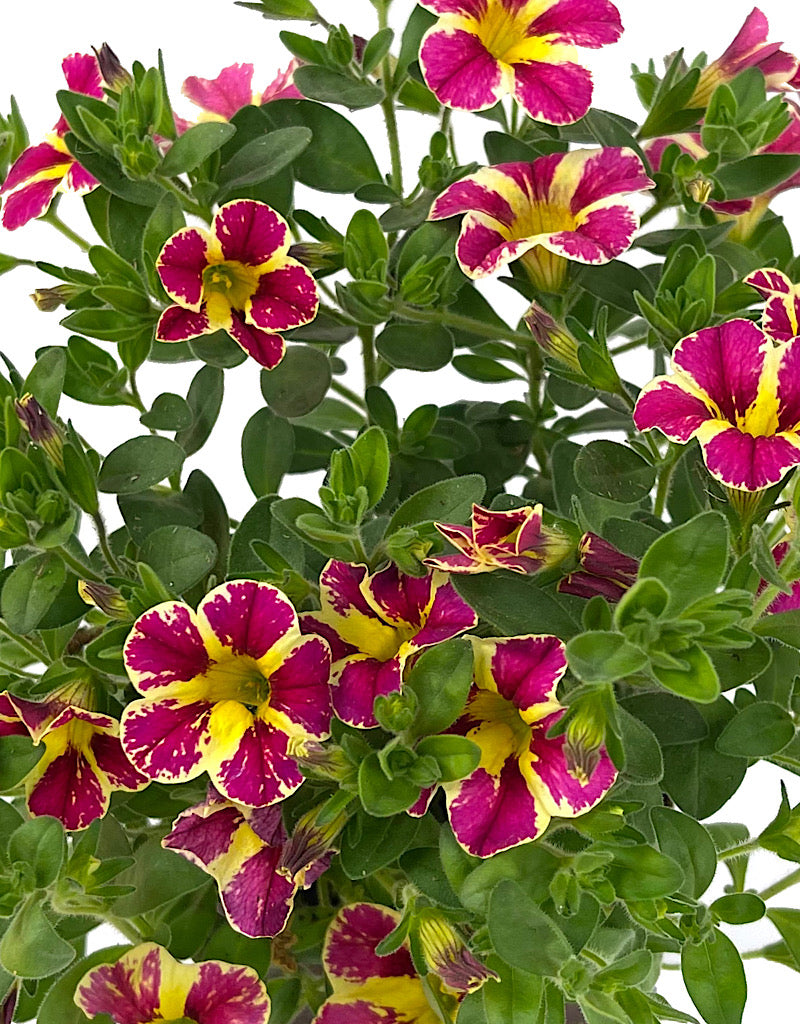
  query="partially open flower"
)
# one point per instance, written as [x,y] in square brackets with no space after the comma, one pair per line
[781,319]
[552,337]
[219,98]
[147,984]
[238,278]
[480,50]
[41,172]
[559,208]
[736,391]
[41,428]
[114,74]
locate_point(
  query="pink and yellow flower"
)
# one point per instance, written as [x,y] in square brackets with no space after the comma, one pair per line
[374,624]
[523,778]
[147,984]
[219,98]
[783,602]
[41,172]
[228,690]
[515,540]
[238,278]
[559,208]
[246,851]
[736,391]
[83,761]
[480,50]
[749,49]
[372,989]
[781,317]
[602,569]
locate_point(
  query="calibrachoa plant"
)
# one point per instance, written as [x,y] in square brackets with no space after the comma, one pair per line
[439,734]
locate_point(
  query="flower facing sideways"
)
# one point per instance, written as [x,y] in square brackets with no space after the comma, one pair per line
[374,624]
[559,208]
[83,761]
[238,278]
[515,540]
[40,172]
[147,984]
[480,50]
[228,690]
[523,778]
[781,317]
[219,98]
[738,392]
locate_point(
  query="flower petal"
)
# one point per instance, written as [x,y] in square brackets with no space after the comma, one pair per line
[257,897]
[179,324]
[250,232]
[665,403]
[244,617]
[781,316]
[590,23]
[524,670]
[67,785]
[299,687]
[749,463]
[482,249]
[112,762]
[559,792]
[726,363]
[227,994]
[789,385]
[28,202]
[769,281]
[459,70]
[165,647]
[267,349]
[166,740]
[556,93]
[252,765]
[286,298]
[82,73]
[348,954]
[129,991]
[231,90]
[356,684]
[180,266]
[37,162]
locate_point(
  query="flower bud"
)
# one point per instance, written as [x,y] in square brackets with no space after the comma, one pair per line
[316,255]
[310,843]
[113,73]
[585,734]
[42,430]
[603,570]
[319,761]
[395,711]
[552,337]
[108,599]
[699,189]
[447,955]
[49,299]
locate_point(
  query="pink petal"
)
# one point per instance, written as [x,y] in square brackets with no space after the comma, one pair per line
[286,298]
[482,249]
[165,647]
[561,793]
[68,787]
[257,897]
[129,990]
[310,622]
[283,87]
[231,90]
[82,73]
[780,319]
[35,161]
[726,362]
[204,833]
[591,23]
[601,236]
[266,348]
[769,282]
[166,740]
[553,93]
[179,324]
[470,8]
[399,599]
[750,463]
[28,202]
[665,404]
[355,685]
[789,385]
[299,687]
[78,179]
[349,951]
[247,617]
[113,763]
[227,994]
[250,232]
[527,669]
[603,173]
[259,772]
[459,70]
[180,266]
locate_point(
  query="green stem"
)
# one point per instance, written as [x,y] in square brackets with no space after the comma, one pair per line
[654,211]
[463,323]
[739,851]
[388,108]
[135,395]
[102,536]
[628,346]
[367,335]
[79,568]
[37,653]
[664,478]
[186,201]
[6,666]
[53,219]
[345,392]
[783,883]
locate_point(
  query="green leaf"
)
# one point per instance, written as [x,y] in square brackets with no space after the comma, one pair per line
[417,347]
[168,412]
[600,656]
[513,999]
[644,764]
[698,680]
[642,873]
[484,370]
[31,947]
[383,797]
[739,908]
[714,977]
[756,174]
[298,383]
[690,560]
[456,756]
[370,455]
[180,556]
[689,844]
[449,501]
[328,85]
[41,844]
[671,718]
[424,870]
[158,876]
[29,591]
[18,755]
[262,158]
[267,448]
[517,605]
[204,398]
[758,730]
[369,844]
[46,380]
[440,677]
[787,921]
[138,463]
[338,158]
[614,471]
[189,150]
[522,934]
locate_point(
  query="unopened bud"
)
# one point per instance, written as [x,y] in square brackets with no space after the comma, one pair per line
[316,255]
[320,761]
[42,430]
[395,711]
[107,598]
[310,843]
[113,73]
[552,337]
[49,299]
[584,738]
[447,955]
[699,189]
[9,1004]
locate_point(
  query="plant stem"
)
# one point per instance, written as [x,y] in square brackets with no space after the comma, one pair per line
[463,323]
[654,211]
[137,398]
[628,346]
[79,568]
[6,666]
[367,335]
[783,883]
[664,477]
[102,536]
[35,652]
[186,201]
[345,392]
[53,219]
[387,106]
[739,851]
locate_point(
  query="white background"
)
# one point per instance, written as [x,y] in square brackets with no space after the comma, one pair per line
[199,37]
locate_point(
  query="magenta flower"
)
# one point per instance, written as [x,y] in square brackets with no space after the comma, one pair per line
[602,569]
[523,778]
[238,278]
[749,49]
[40,172]
[374,624]
[219,98]
[559,208]
[82,763]
[480,50]
[514,540]
[228,690]
[783,602]
[146,984]
[782,310]
[247,852]
[738,393]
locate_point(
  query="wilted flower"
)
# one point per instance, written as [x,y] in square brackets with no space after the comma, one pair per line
[238,278]
[41,428]
[602,569]
[736,391]
[480,50]
[374,624]
[226,690]
[515,540]
[83,761]
[41,172]
[559,208]
[219,98]
[147,984]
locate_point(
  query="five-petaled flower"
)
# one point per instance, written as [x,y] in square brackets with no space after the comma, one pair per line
[147,984]
[480,50]
[238,278]
[247,852]
[781,319]
[515,540]
[374,624]
[40,172]
[228,690]
[367,988]
[561,207]
[749,49]
[82,763]
[738,392]
[219,98]
[602,569]
[523,778]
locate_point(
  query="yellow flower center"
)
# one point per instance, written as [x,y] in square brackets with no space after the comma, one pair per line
[236,677]
[501,732]
[504,33]
[228,285]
